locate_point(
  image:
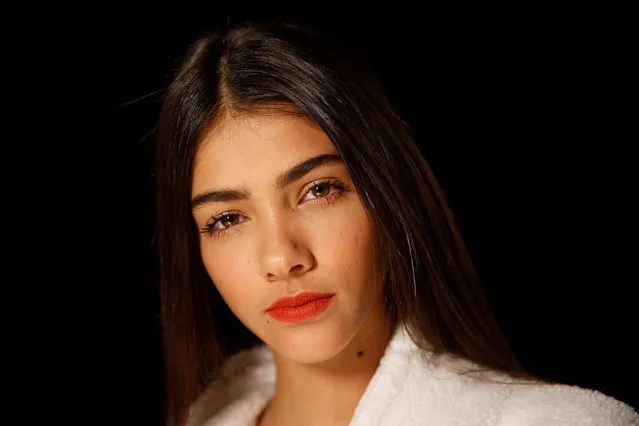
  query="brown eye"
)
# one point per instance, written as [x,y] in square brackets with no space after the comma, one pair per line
[324,191]
[229,220]
[321,189]
[222,223]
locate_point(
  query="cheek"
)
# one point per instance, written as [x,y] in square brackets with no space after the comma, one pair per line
[349,246]
[230,271]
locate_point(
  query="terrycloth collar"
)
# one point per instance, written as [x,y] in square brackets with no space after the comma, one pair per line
[248,383]
[406,391]
[391,375]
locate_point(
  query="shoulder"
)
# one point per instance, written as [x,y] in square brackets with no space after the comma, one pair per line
[246,383]
[450,390]
[565,405]
[491,398]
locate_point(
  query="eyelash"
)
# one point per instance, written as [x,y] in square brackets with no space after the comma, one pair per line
[209,229]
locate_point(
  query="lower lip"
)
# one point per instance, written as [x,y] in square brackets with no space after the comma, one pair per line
[302,313]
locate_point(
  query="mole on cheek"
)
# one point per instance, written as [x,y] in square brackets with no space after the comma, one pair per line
[360,354]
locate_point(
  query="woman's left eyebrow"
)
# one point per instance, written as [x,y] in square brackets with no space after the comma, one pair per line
[286,178]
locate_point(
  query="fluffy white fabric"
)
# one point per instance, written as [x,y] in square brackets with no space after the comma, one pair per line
[406,391]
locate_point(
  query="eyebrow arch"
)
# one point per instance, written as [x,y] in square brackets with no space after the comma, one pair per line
[283,180]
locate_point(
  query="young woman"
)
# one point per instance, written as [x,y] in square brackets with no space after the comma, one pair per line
[312,272]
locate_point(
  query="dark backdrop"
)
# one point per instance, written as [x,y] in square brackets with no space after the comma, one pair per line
[510,107]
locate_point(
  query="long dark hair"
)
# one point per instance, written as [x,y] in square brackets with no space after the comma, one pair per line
[431,284]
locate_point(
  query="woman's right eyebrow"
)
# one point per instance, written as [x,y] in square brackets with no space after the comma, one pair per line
[283,180]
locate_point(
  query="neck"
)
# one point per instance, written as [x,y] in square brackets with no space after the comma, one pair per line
[328,393]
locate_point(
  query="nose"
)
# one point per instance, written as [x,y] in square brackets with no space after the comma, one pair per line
[283,253]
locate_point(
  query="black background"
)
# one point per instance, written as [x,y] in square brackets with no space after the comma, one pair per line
[516,110]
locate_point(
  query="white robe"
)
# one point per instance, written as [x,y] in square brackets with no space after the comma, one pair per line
[406,392]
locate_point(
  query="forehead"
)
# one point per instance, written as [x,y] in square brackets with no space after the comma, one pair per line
[239,146]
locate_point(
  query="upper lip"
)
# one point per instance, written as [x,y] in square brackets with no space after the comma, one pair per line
[298,300]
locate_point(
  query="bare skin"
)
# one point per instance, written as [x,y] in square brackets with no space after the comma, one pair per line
[311,234]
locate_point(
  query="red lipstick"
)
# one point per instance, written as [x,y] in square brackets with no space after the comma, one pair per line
[301,307]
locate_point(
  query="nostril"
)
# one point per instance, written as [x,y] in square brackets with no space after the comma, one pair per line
[297,268]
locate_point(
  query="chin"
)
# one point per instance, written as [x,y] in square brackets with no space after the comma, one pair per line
[313,343]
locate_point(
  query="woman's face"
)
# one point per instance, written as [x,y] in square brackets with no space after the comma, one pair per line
[266,232]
